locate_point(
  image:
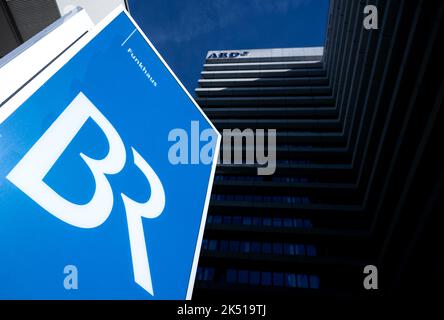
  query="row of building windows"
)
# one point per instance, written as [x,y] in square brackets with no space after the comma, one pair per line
[289,179]
[260,179]
[239,178]
[252,146]
[295,146]
[277,279]
[277,248]
[258,198]
[260,221]
[279,162]
[205,274]
[294,162]
[253,277]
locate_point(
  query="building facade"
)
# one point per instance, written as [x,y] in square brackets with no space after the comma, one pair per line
[20,20]
[357,182]
[251,238]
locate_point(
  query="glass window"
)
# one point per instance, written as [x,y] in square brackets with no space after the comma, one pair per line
[209,219]
[243,276]
[199,273]
[290,280]
[204,244]
[267,222]
[289,249]
[255,277]
[227,220]
[288,223]
[234,246]
[302,280]
[245,246]
[266,278]
[266,247]
[277,248]
[223,245]
[217,219]
[278,279]
[308,224]
[231,275]
[212,245]
[314,282]
[208,274]
[299,249]
[277,222]
[256,221]
[311,250]
[237,220]
[246,221]
[255,247]
[297,223]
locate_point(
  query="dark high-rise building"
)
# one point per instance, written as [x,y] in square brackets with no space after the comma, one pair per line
[359,177]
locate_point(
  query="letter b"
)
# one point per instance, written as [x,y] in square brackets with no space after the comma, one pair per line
[29,173]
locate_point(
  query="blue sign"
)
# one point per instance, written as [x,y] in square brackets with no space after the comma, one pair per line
[91,205]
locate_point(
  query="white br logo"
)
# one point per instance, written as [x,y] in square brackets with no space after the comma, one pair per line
[29,173]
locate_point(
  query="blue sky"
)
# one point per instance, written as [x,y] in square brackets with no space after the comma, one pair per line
[183,31]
